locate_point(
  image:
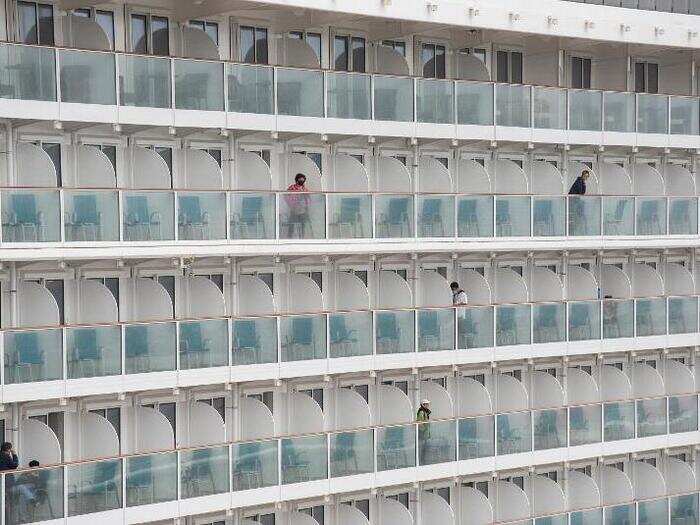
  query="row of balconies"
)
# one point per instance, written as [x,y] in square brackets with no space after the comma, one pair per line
[128,81]
[47,216]
[374,340]
[216,478]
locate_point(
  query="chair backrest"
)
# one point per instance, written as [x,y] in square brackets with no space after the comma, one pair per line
[547,315]
[24,207]
[467,210]
[398,209]
[190,208]
[543,210]
[578,315]
[136,340]
[386,326]
[432,207]
[137,208]
[85,209]
[191,336]
[302,330]
[105,472]
[428,323]
[648,209]
[338,329]
[140,473]
[349,209]
[27,344]
[620,209]
[251,208]
[506,318]
[503,210]
[679,210]
[245,333]
[85,341]
[393,438]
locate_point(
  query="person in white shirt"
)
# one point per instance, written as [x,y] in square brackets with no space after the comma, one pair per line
[458,295]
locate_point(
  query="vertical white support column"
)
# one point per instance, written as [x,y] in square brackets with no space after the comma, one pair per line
[14,301]
[10,148]
[414,280]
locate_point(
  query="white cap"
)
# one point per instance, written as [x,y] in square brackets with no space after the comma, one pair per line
[425,402]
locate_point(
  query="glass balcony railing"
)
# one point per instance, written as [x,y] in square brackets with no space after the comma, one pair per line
[103,78]
[96,486]
[33,355]
[78,216]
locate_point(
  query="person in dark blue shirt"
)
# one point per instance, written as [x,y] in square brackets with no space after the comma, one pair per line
[8,457]
[579,185]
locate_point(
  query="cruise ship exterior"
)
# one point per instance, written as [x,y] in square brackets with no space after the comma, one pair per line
[193,334]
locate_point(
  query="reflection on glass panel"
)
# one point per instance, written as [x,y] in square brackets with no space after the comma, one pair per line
[651,417]
[436,442]
[144,82]
[475,216]
[393,99]
[549,323]
[435,102]
[652,512]
[350,334]
[254,465]
[199,85]
[685,116]
[148,216]
[584,215]
[33,496]
[475,327]
[584,425]
[651,216]
[94,352]
[304,459]
[476,437]
[548,216]
[396,447]
[618,319]
[584,321]
[352,453]
[201,216]
[303,337]
[549,106]
[151,479]
[512,216]
[683,216]
[682,315]
[474,103]
[560,519]
[514,433]
[302,215]
[395,332]
[150,348]
[587,517]
[512,105]
[252,216]
[30,216]
[203,344]
[653,113]
[620,515]
[682,414]
[513,325]
[33,355]
[348,95]
[650,316]
[27,73]
[250,89]
[299,92]
[94,487]
[91,216]
[254,341]
[350,216]
[394,216]
[684,509]
[87,77]
[549,428]
[619,112]
[585,110]
[618,216]
[436,330]
[436,216]
[618,421]
[204,472]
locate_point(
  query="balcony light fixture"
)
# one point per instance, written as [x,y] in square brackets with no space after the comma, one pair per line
[589,24]
[552,21]
[513,17]
[432,7]
[625,28]
[386,2]
[659,30]
[472,12]
[692,34]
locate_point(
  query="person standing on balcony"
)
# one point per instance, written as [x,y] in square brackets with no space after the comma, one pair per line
[298,206]
[8,457]
[423,416]
[459,297]
[579,185]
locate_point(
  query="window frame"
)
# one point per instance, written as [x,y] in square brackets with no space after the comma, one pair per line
[149,17]
[510,51]
[256,28]
[351,37]
[92,14]
[37,18]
